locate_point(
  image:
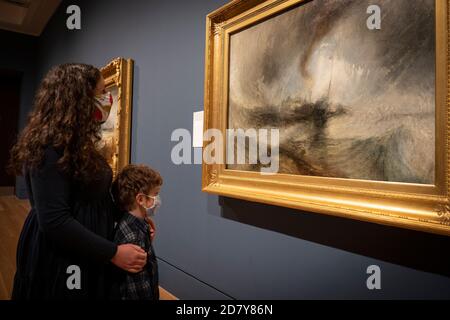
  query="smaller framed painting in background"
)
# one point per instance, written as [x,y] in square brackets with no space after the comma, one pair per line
[116,131]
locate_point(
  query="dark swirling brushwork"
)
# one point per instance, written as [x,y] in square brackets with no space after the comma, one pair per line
[349,102]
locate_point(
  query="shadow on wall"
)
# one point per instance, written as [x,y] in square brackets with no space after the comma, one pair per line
[412,249]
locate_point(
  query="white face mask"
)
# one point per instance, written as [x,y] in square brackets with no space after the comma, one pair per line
[150,212]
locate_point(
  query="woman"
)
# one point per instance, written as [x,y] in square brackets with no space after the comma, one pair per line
[71,221]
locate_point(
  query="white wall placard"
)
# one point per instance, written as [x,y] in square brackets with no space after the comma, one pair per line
[197,139]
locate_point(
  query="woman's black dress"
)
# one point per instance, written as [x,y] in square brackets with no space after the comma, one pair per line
[70,224]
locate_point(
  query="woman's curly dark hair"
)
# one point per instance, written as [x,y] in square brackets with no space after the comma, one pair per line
[62,117]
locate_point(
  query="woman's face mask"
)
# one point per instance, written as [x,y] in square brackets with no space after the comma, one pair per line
[104,103]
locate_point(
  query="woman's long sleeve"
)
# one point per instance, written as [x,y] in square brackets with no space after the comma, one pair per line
[51,191]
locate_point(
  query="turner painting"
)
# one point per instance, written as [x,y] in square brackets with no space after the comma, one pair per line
[115,145]
[350,101]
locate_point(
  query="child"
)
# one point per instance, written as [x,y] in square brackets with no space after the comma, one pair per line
[136,191]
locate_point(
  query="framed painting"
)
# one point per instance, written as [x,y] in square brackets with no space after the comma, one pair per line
[116,131]
[355,94]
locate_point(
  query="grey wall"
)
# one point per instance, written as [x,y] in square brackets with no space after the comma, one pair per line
[18,52]
[211,247]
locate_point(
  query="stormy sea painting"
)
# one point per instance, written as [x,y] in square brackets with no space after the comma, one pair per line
[350,102]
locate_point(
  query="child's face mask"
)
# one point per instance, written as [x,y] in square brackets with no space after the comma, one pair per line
[104,103]
[156,204]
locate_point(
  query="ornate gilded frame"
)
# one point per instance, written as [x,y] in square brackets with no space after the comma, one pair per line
[118,75]
[419,207]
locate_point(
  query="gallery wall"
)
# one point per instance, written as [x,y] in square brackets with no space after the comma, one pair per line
[212,247]
[18,53]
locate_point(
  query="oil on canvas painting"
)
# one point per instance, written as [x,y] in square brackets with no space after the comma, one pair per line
[108,145]
[350,102]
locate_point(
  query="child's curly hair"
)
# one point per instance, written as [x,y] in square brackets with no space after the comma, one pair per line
[131,181]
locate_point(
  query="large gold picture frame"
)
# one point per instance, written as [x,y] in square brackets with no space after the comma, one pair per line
[116,132]
[423,207]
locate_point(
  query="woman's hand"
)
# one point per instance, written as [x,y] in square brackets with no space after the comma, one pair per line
[130,257]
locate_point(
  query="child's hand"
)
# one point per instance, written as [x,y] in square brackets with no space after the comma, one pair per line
[152,233]
[130,257]
[152,227]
